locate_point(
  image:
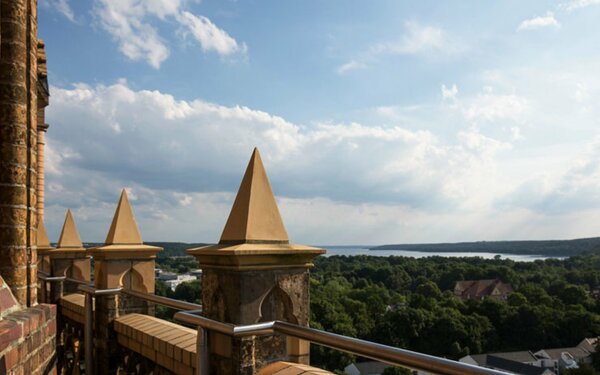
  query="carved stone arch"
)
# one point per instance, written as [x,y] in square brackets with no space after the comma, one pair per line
[277,305]
[63,271]
[133,280]
[60,267]
[77,273]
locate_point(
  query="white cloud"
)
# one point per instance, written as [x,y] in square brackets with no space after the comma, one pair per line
[170,152]
[573,190]
[493,107]
[428,172]
[131,193]
[578,4]
[516,133]
[131,23]
[449,93]
[210,37]
[417,40]
[63,7]
[349,66]
[538,22]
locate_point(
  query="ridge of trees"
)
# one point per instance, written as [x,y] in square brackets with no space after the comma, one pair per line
[409,303]
[546,247]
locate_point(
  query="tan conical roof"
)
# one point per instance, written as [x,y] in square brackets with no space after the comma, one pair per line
[124,240]
[42,236]
[254,216]
[123,230]
[69,236]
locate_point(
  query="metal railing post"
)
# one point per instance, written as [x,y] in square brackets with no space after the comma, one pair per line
[202,352]
[43,290]
[87,334]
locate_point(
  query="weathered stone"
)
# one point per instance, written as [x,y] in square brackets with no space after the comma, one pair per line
[124,261]
[18,145]
[13,153]
[254,275]
[15,215]
[12,174]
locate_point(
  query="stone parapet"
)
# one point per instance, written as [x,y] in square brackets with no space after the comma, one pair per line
[72,306]
[167,345]
[287,368]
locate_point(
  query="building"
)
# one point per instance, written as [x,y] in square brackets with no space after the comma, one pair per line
[519,362]
[366,368]
[480,289]
[544,362]
[172,283]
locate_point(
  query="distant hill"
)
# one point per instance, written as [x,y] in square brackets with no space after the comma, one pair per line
[174,249]
[548,247]
[170,249]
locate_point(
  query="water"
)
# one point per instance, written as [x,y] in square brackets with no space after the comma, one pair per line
[364,250]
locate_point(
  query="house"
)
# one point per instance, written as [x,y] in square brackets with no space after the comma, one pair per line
[588,344]
[366,368]
[565,357]
[542,362]
[520,362]
[479,289]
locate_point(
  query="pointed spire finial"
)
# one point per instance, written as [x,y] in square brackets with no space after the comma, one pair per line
[69,236]
[42,236]
[254,216]
[123,229]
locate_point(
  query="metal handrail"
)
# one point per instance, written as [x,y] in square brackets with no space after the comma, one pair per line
[52,278]
[164,301]
[78,282]
[88,332]
[363,348]
[46,278]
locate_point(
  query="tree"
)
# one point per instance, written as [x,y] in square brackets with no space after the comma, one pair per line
[190,291]
[517,299]
[582,370]
[429,289]
[392,370]
[596,356]
[161,289]
[573,294]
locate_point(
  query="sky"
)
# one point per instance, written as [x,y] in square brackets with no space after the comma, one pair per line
[378,122]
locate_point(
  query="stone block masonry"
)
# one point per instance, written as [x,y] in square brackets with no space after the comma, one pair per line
[27,336]
[18,147]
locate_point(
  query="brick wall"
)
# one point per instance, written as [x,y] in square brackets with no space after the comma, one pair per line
[27,336]
[18,147]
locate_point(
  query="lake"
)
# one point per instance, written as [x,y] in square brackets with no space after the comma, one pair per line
[364,250]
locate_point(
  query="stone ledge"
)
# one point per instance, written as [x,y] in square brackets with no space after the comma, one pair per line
[168,344]
[73,307]
[287,368]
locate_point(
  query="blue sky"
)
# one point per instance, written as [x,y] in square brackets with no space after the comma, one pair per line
[382,121]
